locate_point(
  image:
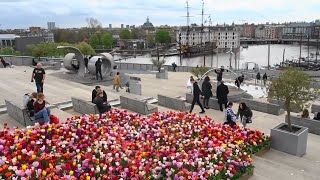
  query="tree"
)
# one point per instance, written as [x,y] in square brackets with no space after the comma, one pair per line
[199,71]
[150,40]
[85,49]
[293,86]
[163,36]
[107,40]
[125,34]
[94,24]
[94,41]
[157,62]
[7,51]
[138,33]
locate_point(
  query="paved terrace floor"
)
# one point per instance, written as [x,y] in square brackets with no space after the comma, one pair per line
[273,165]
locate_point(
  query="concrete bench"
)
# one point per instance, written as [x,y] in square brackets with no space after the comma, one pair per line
[137,105]
[20,114]
[84,107]
[313,125]
[295,109]
[263,106]
[213,102]
[315,108]
[173,103]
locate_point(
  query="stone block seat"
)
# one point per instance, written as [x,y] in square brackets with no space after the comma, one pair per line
[315,108]
[173,103]
[295,109]
[137,105]
[213,102]
[265,107]
[83,106]
[20,114]
[311,124]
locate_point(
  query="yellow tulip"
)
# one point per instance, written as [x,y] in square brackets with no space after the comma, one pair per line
[44,173]
[33,156]
[71,173]
[24,167]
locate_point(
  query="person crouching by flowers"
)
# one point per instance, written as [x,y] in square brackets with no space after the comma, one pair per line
[230,115]
[245,114]
[40,109]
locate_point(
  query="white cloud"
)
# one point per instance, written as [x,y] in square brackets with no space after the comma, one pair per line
[74,12]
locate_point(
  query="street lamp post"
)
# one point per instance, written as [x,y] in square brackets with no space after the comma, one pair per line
[269,52]
[317,52]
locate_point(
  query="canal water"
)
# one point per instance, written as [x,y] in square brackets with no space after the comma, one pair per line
[254,53]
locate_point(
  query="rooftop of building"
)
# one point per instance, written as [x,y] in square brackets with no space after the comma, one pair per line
[8,36]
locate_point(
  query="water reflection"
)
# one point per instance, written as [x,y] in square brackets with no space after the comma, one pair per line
[255,53]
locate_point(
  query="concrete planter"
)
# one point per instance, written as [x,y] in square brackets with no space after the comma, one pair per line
[294,143]
[162,75]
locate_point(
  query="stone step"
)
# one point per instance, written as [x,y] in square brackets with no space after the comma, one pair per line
[114,103]
[274,169]
[65,106]
[257,176]
[183,98]
[3,110]
[311,167]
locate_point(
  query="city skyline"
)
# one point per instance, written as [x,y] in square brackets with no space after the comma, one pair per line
[72,13]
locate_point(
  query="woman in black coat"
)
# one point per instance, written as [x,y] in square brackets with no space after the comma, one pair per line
[245,114]
[99,101]
[206,91]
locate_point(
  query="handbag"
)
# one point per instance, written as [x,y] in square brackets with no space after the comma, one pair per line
[248,120]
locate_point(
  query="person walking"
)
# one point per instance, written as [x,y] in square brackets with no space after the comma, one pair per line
[258,77]
[196,97]
[207,91]
[39,76]
[245,114]
[265,78]
[40,109]
[222,95]
[98,68]
[189,84]
[174,66]
[117,83]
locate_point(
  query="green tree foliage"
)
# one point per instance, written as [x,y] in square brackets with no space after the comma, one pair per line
[294,87]
[107,40]
[125,34]
[199,71]
[85,49]
[151,40]
[95,41]
[7,51]
[163,36]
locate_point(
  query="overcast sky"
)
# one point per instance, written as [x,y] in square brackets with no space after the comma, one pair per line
[72,13]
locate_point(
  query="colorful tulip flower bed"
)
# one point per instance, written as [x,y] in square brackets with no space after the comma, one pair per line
[173,145]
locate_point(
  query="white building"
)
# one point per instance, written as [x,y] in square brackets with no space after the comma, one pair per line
[260,32]
[226,37]
[7,40]
[51,26]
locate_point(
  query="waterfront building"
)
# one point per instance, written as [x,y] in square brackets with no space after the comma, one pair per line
[110,26]
[224,36]
[122,26]
[34,29]
[260,32]
[7,40]
[297,30]
[248,30]
[51,26]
